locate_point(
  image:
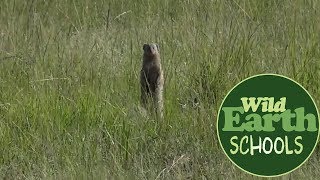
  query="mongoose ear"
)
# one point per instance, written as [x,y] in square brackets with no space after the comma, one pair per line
[158,47]
[145,46]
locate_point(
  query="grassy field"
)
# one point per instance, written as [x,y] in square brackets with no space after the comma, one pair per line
[69,88]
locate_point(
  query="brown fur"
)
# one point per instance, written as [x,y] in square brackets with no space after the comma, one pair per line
[151,79]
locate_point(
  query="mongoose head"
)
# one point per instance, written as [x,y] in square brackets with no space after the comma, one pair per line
[151,49]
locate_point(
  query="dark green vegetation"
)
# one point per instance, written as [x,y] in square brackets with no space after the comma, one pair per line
[69,89]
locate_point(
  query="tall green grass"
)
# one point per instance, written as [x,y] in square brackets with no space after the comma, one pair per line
[69,89]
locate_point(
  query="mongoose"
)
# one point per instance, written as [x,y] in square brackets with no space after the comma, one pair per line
[151,79]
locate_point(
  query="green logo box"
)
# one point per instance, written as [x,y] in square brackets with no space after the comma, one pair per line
[268,125]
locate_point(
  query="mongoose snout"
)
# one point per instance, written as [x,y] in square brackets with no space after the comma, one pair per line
[150,49]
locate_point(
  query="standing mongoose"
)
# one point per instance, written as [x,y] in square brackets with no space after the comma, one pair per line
[151,79]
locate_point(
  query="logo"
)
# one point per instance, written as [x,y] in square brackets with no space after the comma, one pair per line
[268,125]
